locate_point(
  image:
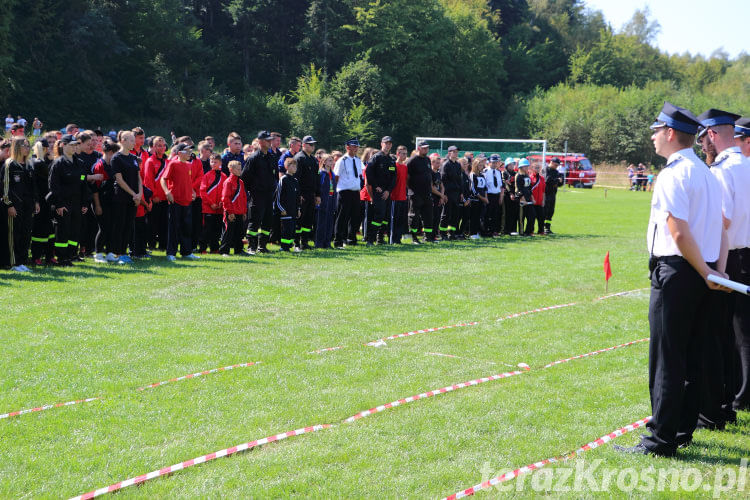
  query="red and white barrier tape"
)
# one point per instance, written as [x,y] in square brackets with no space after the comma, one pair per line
[326,349]
[198,374]
[199,460]
[417,332]
[595,352]
[541,309]
[46,407]
[619,294]
[538,465]
[429,394]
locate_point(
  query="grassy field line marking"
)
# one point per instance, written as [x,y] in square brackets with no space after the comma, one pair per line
[594,353]
[199,460]
[430,394]
[326,349]
[538,465]
[198,374]
[46,407]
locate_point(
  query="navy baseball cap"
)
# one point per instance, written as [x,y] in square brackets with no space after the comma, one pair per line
[677,118]
[182,147]
[452,148]
[714,117]
[352,142]
[264,135]
[308,139]
[68,139]
[423,144]
[387,138]
[494,158]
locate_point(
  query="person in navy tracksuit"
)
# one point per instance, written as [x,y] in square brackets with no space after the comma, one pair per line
[286,204]
[327,208]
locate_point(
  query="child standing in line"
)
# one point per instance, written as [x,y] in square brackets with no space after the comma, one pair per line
[211,192]
[287,204]
[324,223]
[234,204]
[479,200]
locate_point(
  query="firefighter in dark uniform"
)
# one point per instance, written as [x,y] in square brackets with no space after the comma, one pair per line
[510,202]
[554,180]
[69,198]
[686,241]
[525,199]
[42,234]
[309,187]
[464,222]
[419,180]
[260,175]
[450,176]
[380,180]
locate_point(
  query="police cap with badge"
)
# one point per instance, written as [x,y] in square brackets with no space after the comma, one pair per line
[677,118]
[742,128]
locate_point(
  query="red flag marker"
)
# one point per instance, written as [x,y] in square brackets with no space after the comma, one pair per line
[607,272]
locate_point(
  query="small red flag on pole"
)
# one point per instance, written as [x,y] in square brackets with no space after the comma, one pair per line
[607,272]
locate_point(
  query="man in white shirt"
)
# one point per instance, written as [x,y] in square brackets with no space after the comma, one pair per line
[686,242]
[348,172]
[493,179]
[732,169]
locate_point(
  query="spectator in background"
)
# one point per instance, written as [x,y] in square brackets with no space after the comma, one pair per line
[295,144]
[9,121]
[36,126]
[538,187]
[22,121]
[17,130]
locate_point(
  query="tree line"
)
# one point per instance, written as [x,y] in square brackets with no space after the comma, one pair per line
[337,68]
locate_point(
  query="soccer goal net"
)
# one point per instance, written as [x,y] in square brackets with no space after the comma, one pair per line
[506,148]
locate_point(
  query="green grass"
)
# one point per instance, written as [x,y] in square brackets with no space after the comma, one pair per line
[104,331]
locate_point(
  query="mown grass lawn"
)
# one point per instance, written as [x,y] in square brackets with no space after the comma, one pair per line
[102,331]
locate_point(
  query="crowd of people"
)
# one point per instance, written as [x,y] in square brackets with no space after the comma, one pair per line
[699,351]
[115,197]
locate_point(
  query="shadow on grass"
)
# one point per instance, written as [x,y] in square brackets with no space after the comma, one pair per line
[730,455]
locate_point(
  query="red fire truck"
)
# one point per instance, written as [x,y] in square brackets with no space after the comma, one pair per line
[576,168]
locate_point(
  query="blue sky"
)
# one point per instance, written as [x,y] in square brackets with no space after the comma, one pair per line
[695,26]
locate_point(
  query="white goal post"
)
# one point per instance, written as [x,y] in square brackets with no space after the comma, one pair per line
[445,142]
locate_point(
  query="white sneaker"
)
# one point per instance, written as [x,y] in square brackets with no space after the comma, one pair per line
[20,269]
[474,237]
[111,257]
[296,250]
[171,258]
[192,256]
[99,258]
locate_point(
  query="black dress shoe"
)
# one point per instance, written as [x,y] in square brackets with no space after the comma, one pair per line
[639,449]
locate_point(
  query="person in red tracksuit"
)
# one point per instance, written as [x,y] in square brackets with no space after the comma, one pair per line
[210,192]
[196,171]
[538,185]
[153,170]
[234,204]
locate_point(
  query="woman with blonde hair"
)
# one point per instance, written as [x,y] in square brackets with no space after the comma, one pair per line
[19,203]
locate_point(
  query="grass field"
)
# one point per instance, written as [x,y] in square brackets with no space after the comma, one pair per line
[98,331]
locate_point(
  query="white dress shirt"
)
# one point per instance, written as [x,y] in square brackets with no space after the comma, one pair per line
[732,170]
[348,169]
[492,176]
[686,190]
